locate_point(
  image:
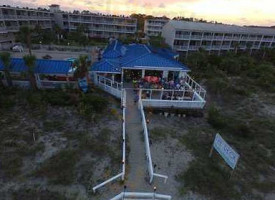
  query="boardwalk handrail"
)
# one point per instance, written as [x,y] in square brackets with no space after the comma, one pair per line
[107,181]
[147,146]
[108,85]
[142,195]
[122,174]
[195,86]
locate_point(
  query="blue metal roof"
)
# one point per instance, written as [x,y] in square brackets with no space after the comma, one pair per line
[42,66]
[165,52]
[117,56]
[154,61]
[52,66]
[107,66]
[114,50]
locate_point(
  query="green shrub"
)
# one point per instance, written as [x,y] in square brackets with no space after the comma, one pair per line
[58,98]
[215,118]
[104,135]
[11,164]
[91,104]
[218,85]
[60,168]
[97,103]
[159,133]
[35,99]
[55,125]
[32,194]
[208,178]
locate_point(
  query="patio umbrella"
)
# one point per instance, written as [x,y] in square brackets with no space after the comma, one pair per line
[154,79]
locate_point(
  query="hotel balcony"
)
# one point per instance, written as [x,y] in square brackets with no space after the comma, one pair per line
[3,29]
[207,37]
[225,47]
[187,37]
[255,46]
[194,48]
[181,47]
[236,38]
[242,46]
[206,47]
[228,37]
[267,39]
[218,37]
[196,37]
[216,47]
[12,28]
[22,17]
[9,17]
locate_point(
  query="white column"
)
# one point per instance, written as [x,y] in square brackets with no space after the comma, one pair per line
[165,74]
[121,76]
[113,78]
[182,74]
[143,73]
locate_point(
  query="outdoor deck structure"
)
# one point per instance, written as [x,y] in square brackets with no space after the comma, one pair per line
[162,81]
[49,74]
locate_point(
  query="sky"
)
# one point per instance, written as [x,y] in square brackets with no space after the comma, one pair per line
[240,12]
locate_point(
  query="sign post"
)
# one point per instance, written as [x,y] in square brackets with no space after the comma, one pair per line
[229,155]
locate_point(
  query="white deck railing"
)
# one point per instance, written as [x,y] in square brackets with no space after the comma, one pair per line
[147,146]
[22,84]
[162,98]
[108,85]
[141,195]
[122,174]
[195,86]
[57,84]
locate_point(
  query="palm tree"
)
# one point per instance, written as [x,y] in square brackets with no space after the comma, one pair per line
[30,62]
[5,57]
[236,47]
[25,36]
[58,32]
[81,64]
[81,67]
[249,47]
[264,50]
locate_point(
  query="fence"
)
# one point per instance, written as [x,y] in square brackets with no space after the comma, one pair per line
[140,195]
[63,48]
[57,84]
[147,146]
[122,174]
[195,86]
[109,86]
[163,98]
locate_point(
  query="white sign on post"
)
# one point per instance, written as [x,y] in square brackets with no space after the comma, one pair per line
[230,156]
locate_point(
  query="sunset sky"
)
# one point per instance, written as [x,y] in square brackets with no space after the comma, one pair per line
[242,12]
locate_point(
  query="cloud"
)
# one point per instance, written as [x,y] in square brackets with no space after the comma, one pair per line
[161,5]
[259,12]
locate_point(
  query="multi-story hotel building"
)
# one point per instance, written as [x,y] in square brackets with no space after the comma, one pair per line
[97,25]
[11,18]
[153,27]
[187,37]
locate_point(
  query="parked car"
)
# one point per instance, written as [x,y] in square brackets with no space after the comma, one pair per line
[47,57]
[17,48]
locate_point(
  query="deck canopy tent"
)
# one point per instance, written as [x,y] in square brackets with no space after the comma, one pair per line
[134,61]
[48,73]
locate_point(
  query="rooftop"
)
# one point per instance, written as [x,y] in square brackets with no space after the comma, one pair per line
[42,66]
[136,56]
[223,28]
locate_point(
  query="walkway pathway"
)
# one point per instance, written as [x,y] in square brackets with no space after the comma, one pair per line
[137,171]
